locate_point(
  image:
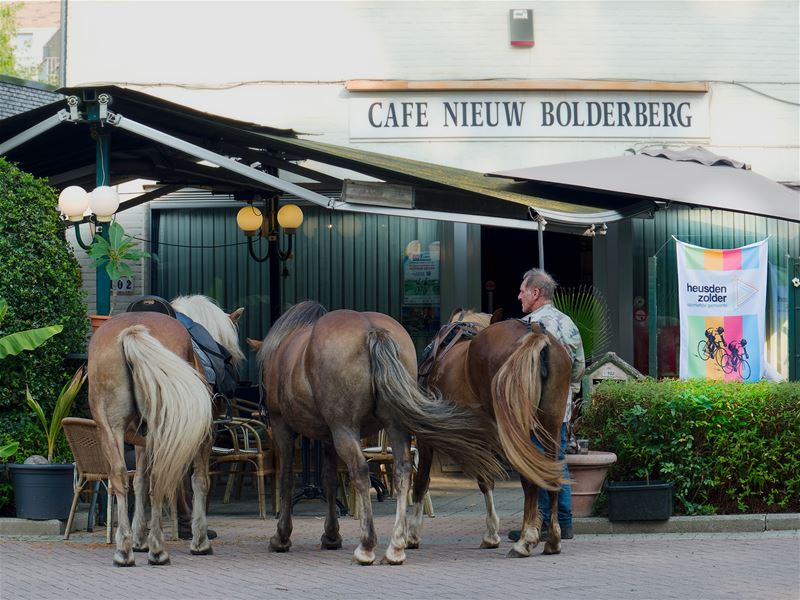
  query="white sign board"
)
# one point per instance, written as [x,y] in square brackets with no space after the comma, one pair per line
[523,115]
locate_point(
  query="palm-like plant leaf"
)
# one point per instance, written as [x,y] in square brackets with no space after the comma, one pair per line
[588,310]
[14,343]
[61,409]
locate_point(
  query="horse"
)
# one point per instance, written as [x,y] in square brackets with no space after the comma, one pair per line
[514,377]
[143,372]
[343,375]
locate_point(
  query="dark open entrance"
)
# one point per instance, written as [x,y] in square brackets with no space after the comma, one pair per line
[507,253]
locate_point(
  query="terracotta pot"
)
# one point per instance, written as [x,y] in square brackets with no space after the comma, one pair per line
[98,320]
[587,472]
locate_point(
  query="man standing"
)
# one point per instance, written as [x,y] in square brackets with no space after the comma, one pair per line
[536,296]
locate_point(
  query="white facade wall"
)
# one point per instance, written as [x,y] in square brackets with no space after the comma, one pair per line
[284,64]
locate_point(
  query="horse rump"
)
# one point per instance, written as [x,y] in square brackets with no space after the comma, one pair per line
[441,426]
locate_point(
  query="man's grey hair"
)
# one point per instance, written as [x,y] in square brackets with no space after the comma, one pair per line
[539,278]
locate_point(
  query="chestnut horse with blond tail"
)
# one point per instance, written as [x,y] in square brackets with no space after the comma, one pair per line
[343,375]
[143,375]
[515,379]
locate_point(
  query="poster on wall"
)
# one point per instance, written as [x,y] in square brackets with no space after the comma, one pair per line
[722,296]
[421,279]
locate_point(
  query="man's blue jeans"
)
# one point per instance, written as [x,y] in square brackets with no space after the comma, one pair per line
[564,496]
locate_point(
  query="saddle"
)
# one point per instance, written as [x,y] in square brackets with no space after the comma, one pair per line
[448,336]
[215,359]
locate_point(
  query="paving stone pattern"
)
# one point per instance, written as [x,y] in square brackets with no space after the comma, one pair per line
[741,565]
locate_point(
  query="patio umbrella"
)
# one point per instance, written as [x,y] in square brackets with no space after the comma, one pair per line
[693,176]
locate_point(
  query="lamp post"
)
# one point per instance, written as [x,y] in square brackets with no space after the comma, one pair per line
[99,205]
[257,223]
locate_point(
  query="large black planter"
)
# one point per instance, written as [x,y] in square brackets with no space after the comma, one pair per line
[42,491]
[639,500]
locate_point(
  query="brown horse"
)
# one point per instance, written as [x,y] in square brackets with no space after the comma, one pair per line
[342,375]
[143,371]
[515,378]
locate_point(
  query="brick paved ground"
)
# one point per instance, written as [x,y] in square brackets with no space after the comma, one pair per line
[448,565]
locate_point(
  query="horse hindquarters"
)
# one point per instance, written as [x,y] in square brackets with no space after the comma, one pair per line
[176,405]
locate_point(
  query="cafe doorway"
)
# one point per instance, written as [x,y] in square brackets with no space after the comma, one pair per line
[507,253]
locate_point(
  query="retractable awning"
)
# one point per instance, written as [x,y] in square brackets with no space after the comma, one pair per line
[693,176]
[178,147]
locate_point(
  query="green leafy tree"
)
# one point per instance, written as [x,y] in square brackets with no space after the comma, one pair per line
[41,281]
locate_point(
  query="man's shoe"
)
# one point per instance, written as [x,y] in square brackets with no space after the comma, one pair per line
[514,535]
[186,533]
[567,533]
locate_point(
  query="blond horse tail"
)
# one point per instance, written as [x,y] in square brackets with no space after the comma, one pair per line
[174,401]
[441,426]
[516,390]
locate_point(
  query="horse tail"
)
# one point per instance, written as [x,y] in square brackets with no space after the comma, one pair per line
[174,401]
[440,425]
[516,391]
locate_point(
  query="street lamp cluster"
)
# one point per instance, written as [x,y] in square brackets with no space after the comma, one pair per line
[75,203]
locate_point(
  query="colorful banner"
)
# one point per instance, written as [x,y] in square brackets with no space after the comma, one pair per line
[722,298]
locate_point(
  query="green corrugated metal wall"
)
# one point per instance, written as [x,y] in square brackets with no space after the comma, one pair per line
[343,260]
[718,229]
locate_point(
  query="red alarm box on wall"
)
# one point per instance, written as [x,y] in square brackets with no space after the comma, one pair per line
[521,27]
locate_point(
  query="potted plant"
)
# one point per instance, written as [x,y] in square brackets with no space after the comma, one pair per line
[42,489]
[35,497]
[113,255]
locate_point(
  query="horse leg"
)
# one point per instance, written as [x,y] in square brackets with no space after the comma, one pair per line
[491,538]
[552,544]
[141,486]
[348,446]
[401,452]
[112,440]
[531,522]
[422,480]
[200,544]
[284,442]
[331,539]
[157,554]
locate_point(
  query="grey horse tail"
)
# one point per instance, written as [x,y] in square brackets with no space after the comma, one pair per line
[442,426]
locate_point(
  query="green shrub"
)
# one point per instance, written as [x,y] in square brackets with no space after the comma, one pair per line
[41,281]
[728,447]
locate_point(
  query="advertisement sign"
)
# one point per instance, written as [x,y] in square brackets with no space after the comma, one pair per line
[722,297]
[421,279]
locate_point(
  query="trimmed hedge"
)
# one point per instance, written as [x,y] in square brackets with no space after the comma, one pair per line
[41,281]
[728,447]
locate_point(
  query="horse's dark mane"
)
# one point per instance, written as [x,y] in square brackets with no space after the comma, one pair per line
[299,315]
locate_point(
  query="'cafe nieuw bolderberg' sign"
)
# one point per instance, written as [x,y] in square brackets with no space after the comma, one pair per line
[545,114]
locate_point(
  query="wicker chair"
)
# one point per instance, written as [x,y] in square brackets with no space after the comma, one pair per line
[91,465]
[247,443]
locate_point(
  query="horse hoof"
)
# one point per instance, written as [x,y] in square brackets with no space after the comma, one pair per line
[412,545]
[487,545]
[329,544]
[275,545]
[548,549]
[513,553]
[397,559]
[205,550]
[158,560]
[120,560]
[363,557]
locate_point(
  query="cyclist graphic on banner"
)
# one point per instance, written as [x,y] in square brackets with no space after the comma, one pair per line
[722,297]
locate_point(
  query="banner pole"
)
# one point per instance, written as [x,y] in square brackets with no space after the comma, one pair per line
[652,310]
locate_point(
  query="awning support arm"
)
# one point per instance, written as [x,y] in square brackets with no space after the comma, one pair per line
[32,132]
[217,159]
